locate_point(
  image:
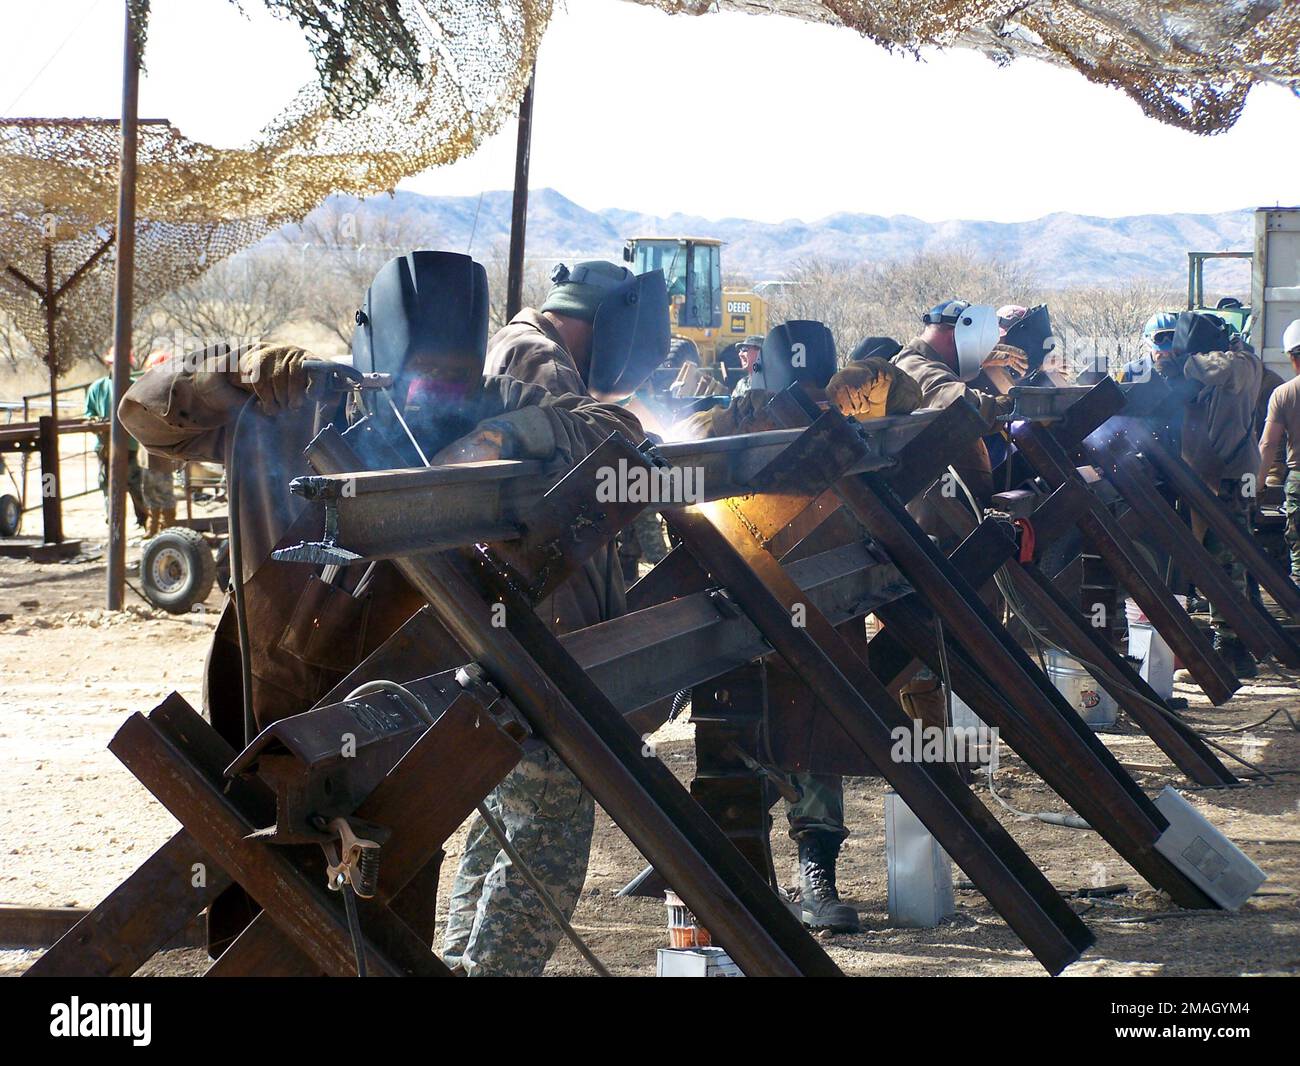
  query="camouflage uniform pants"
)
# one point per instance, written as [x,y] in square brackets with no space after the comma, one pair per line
[1233,498]
[497,925]
[158,489]
[1291,508]
[820,808]
[133,483]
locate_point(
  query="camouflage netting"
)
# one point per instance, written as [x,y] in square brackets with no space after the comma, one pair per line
[198,204]
[405,85]
[1189,63]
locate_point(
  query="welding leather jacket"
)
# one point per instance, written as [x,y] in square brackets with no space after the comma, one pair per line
[940,388]
[307,635]
[530,348]
[1219,433]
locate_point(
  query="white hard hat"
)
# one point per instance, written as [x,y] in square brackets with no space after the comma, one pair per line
[976,333]
[1291,337]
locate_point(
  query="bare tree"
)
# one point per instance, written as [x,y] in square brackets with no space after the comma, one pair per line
[537,283]
[240,300]
[888,298]
[1100,327]
[339,248]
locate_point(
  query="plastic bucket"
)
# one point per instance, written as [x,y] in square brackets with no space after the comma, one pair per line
[683,930]
[1148,647]
[1093,703]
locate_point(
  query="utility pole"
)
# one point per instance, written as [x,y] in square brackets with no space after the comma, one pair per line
[519,209]
[123,307]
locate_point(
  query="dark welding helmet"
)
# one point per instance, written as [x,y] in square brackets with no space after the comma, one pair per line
[802,350]
[629,336]
[424,321]
[1032,334]
[1196,334]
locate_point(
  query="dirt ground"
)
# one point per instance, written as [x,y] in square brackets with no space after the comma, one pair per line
[74,822]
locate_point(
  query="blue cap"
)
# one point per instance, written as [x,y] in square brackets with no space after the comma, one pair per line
[1164,323]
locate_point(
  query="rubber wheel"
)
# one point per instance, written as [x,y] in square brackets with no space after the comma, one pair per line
[11,515]
[177,569]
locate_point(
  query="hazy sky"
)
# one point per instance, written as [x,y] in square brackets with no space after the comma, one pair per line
[736,115]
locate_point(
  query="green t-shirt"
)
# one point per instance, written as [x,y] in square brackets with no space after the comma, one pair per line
[99,405]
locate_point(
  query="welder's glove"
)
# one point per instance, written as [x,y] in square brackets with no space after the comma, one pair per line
[993,405]
[524,433]
[860,390]
[276,374]
[1007,355]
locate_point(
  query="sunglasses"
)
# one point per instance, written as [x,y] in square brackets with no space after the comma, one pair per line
[1162,336]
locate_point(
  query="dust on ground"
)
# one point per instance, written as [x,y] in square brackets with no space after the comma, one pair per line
[75,823]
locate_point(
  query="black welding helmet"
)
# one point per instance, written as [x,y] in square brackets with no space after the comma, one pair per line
[801,350]
[630,336]
[1196,334]
[425,322]
[1032,334]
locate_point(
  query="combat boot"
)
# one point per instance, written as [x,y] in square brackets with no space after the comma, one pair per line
[819,900]
[150,523]
[1235,654]
[166,518]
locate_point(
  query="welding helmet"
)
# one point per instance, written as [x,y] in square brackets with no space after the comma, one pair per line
[875,348]
[1031,332]
[629,322]
[975,333]
[802,350]
[424,321]
[1196,334]
[629,336]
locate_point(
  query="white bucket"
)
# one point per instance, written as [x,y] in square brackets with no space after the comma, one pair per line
[1093,703]
[1147,646]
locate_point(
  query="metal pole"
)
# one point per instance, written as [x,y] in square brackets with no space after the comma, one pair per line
[519,209]
[51,485]
[123,297]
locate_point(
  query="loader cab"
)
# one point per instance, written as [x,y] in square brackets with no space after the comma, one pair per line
[692,268]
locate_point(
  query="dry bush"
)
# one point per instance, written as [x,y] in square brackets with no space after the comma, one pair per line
[887,299]
[1100,326]
[338,249]
[537,283]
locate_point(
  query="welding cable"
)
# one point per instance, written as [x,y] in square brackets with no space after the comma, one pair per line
[354,927]
[498,831]
[410,698]
[496,828]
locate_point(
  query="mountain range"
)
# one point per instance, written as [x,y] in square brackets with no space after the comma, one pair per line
[1062,249]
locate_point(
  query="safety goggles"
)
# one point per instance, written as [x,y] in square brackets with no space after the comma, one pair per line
[1162,339]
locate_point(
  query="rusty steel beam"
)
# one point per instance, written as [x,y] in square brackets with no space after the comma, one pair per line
[216,813]
[1106,537]
[1190,488]
[467,755]
[1143,704]
[724,544]
[1254,626]
[387,513]
[565,709]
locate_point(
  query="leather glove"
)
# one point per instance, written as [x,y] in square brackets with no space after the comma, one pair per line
[745,414]
[993,405]
[860,391]
[1007,355]
[480,444]
[276,375]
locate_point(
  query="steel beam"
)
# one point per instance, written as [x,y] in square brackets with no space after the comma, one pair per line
[1105,536]
[565,709]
